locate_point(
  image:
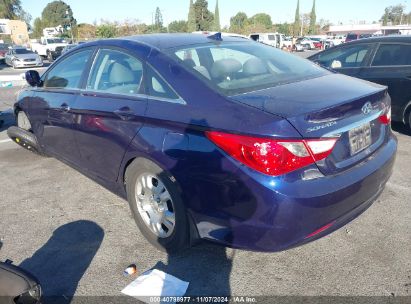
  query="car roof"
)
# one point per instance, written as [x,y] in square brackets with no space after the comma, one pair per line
[393,38]
[169,41]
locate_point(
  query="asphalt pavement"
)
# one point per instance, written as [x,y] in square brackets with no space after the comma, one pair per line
[78,238]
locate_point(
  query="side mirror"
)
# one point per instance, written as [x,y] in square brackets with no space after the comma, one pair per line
[33,78]
[336,64]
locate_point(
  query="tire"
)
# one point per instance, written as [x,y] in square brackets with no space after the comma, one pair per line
[27,135]
[147,207]
[409,120]
[23,121]
[14,65]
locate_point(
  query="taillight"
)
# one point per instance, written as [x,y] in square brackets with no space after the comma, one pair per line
[385,119]
[272,156]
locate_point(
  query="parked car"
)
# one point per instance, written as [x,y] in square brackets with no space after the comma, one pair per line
[4,48]
[22,58]
[17,285]
[49,48]
[220,139]
[223,34]
[68,47]
[353,36]
[383,60]
[306,43]
[318,42]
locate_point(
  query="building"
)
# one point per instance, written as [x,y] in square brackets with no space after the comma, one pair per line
[14,31]
[376,29]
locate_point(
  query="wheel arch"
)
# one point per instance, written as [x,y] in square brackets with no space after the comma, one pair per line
[406,112]
[193,230]
[135,157]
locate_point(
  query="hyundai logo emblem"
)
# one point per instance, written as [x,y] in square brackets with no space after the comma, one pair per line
[367,108]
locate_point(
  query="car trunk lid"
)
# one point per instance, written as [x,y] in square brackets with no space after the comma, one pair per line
[332,106]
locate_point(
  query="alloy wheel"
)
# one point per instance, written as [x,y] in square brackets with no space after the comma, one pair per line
[155,205]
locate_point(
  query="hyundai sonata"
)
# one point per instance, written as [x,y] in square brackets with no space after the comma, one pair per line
[212,137]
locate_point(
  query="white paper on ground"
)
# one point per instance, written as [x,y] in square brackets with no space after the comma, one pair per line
[155,283]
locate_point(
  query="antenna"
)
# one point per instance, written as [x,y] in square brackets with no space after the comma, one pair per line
[216,37]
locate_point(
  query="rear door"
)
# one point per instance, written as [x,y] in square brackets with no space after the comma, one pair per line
[110,111]
[347,59]
[391,66]
[52,103]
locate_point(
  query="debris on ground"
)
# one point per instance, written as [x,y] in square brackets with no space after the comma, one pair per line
[130,270]
[154,284]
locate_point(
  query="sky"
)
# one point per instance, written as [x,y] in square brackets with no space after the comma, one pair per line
[336,11]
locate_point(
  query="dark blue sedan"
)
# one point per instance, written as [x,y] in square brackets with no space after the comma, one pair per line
[212,137]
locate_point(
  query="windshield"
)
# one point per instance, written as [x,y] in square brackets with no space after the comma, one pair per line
[4,46]
[55,40]
[235,68]
[22,51]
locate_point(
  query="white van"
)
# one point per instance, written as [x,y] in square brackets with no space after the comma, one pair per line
[274,39]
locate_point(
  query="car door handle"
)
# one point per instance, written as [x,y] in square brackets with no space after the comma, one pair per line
[124,113]
[65,107]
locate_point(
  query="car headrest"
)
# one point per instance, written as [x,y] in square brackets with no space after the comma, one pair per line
[120,74]
[254,66]
[225,67]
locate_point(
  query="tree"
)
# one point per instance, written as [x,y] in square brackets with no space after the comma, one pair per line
[394,15]
[37,28]
[216,23]
[107,30]
[284,28]
[191,21]
[57,13]
[158,19]
[178,27]
[203,17]
[86,31]
[261,20]
[297,20]
[313,21]
[10,9]
[238,23]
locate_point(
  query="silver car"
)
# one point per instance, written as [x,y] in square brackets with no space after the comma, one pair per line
[23,58]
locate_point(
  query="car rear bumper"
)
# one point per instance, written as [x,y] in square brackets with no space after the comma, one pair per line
[282,213]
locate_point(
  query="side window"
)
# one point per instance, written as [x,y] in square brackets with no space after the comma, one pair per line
[345,57]
[392,54]
[115,72]
[157,87]
[67,73]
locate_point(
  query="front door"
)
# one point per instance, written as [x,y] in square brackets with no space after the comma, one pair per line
[109,112]
[391,67]
[52,104]
[348,59]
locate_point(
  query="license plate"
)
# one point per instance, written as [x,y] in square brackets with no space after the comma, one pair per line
[360,138]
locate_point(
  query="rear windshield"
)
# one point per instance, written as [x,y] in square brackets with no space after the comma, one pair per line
[235,68]
[22,51]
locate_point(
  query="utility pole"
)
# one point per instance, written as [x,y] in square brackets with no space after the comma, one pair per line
[71,26]
[302,26]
